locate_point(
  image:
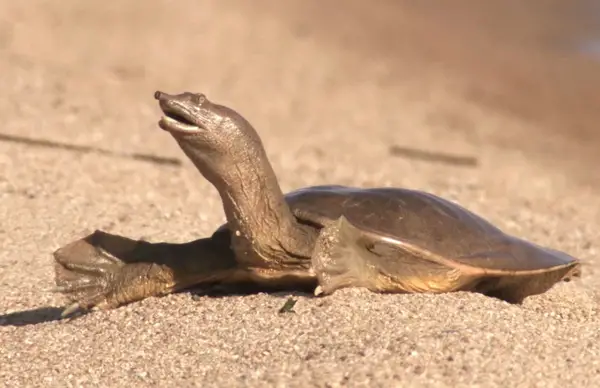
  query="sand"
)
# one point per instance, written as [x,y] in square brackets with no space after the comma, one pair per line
[391,94]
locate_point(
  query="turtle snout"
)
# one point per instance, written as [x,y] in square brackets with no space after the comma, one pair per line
[161,96]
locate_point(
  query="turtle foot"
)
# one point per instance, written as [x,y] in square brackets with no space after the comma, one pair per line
[101,271]
[338,260]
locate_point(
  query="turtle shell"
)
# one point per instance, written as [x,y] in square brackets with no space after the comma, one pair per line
[437,231]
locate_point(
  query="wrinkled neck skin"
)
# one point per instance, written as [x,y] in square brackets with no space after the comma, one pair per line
[263,229]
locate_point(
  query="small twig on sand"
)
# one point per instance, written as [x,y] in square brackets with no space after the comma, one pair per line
[429,156]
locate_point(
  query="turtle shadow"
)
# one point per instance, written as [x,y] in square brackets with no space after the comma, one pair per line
[31,317]
[41,315]
[228,291]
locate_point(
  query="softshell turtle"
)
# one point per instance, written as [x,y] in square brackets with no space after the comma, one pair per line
[322,237]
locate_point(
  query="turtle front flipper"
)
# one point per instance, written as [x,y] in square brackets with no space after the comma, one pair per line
[345,256]
[105,271]
[336,260]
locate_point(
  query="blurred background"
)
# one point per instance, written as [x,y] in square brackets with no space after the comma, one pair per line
[424,77]
[494,104]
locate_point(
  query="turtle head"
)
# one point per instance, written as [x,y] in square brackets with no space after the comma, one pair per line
[213,136]
[193,115]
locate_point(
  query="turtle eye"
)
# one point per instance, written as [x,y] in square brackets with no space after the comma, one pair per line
[198,98]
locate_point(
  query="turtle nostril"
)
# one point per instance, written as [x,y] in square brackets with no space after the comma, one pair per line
[157,95]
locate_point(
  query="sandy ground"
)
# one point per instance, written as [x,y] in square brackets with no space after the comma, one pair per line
[365,96]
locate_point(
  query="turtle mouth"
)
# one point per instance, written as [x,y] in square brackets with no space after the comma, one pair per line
[177,119]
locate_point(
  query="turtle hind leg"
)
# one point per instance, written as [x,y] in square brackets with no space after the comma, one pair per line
[104,271]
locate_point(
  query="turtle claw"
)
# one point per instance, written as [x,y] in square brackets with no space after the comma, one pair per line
[72,286]
[70,309]
[318,291]
[91,269]
[95,302]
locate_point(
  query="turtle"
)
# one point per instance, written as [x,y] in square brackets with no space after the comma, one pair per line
[321,238]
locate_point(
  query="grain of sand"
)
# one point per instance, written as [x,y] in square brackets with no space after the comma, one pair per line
[330,92]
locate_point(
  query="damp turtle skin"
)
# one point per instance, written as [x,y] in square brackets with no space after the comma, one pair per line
[323,238]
